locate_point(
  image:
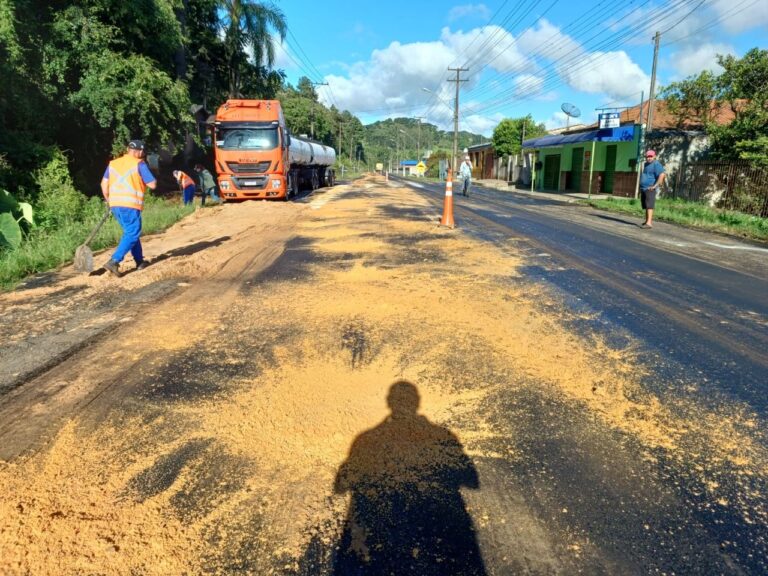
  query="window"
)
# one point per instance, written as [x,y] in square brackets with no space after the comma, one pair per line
[247,138]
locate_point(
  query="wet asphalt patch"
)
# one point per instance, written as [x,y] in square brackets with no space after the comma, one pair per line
[595,488]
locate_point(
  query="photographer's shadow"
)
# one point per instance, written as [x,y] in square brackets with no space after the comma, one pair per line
[406,514]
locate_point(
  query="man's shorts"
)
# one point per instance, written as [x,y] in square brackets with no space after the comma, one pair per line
[648,199]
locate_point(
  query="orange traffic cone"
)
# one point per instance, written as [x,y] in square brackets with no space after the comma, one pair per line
[448,203]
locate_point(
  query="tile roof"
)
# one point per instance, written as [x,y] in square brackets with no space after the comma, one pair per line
[664,119]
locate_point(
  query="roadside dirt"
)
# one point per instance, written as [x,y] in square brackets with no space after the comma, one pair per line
[321,387]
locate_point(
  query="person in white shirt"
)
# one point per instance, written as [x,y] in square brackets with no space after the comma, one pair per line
[465,172]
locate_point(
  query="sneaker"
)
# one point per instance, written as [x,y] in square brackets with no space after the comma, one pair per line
[142,265]
[113,267]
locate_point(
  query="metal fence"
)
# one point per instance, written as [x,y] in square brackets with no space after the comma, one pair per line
[736,186]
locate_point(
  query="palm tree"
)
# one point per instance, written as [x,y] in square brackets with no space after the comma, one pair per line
[247,26]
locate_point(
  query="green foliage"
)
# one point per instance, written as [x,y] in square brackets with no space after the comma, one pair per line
[58,202]
[46,249]
[10,49]
[10,232]
[248,25]
[508,135]
[12,215]
[131,97]
[742,88]
[756,151]
[693,214]
[693,100]
[433,163]
[384,141]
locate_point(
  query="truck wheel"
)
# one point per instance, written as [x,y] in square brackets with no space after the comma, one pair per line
[295,185]
[330,178]
[315,180]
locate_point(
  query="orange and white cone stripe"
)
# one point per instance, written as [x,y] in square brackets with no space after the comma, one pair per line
[447,219]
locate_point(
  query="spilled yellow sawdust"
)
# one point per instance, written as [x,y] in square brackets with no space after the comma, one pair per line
[60,515]
[65,511]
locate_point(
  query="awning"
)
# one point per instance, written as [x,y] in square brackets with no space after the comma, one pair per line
[620,134]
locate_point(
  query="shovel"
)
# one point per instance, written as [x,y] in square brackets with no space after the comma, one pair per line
[83,254]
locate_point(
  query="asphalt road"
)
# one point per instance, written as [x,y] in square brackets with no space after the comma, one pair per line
[697,304]
[697,300]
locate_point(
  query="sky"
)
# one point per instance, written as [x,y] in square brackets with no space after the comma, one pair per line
[391,59]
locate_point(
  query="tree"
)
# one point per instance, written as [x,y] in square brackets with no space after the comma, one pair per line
[508,135]
[693,100]
[247,27]
[744,86]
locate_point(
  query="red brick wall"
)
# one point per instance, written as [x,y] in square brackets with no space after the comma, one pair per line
[624,184]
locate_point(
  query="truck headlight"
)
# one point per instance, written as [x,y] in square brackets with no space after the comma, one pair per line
[276,184]
[224,184]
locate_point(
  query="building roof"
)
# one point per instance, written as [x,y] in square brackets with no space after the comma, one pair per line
[621,134]
[663,119]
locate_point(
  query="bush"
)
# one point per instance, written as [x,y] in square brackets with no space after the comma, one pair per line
[58,202]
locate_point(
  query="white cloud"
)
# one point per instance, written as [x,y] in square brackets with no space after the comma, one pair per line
[527,85]
[611,73]
[469,10]
[557,120]
[391,80]
[692,60]
[490,45]
[736,18]
[479,124]
[548,41]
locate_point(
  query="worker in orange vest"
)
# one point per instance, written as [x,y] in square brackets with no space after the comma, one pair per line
[187,185]
[123,186]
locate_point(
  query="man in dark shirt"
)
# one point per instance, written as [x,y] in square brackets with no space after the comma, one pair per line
[651,179]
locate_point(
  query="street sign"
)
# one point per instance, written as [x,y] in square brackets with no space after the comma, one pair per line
[609,120]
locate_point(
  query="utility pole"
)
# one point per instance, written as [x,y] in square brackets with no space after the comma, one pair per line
[456,114]
[312,111]
[418,142]
[656,39]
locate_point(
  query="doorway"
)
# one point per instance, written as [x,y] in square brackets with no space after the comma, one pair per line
[551,171]
[577,167]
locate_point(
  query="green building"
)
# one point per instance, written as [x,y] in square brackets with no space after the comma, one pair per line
[599,161]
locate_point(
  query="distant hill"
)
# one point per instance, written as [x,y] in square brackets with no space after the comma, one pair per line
[383,140]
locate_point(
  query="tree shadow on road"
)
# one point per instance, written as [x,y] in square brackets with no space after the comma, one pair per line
[406,514]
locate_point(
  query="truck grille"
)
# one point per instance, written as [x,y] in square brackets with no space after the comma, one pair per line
[250,182]
[257,168]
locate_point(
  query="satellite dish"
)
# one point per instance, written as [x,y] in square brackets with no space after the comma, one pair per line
[571,111]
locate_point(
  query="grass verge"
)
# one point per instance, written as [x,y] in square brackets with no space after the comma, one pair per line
[691,214]
[45,250]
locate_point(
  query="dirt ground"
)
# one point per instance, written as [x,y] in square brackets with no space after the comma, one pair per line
[340,386]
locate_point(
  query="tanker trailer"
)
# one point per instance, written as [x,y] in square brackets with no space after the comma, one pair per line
[311,163]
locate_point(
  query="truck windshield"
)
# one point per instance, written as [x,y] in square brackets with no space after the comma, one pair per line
[247,138]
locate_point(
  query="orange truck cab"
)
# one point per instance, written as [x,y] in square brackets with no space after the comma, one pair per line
[257,158]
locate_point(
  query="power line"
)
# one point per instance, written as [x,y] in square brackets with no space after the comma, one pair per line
[683,18]
[575,61]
